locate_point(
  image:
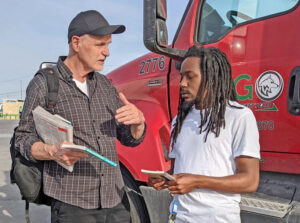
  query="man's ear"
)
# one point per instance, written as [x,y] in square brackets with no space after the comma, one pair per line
[75,41]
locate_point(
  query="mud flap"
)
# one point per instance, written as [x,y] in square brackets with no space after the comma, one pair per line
[157,203]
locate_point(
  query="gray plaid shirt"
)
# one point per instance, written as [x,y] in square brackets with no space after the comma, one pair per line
[93,183]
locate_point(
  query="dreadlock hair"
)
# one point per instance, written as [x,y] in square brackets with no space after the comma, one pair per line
[216,80]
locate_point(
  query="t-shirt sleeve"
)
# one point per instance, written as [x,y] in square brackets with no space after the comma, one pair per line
[172,150]
[245,136]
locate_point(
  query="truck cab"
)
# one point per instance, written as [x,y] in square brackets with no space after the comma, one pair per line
[260,39]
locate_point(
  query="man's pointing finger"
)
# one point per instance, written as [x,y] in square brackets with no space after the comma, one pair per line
[123,99]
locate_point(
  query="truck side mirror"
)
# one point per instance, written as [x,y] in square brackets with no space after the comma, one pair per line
[161,27]
[162,33]
[155,29]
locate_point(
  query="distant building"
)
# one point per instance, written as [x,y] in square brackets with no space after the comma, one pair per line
[12,106]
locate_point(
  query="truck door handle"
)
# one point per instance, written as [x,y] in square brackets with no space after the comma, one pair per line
[293,96]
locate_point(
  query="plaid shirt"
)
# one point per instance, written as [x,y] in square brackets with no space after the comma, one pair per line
[93,183]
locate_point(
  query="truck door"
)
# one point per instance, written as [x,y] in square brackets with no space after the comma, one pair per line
[260,38]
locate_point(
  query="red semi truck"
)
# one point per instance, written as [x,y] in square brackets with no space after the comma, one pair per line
[261,40]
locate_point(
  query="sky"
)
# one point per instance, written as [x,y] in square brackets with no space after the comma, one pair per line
[35,31]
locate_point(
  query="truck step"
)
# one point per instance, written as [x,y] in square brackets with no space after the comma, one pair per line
[266,207]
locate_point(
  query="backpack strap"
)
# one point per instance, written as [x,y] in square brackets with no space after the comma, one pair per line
[51,76]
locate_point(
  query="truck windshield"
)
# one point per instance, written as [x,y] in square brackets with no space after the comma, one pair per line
[218,16]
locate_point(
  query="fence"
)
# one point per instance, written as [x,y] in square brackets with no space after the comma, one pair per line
[9,116]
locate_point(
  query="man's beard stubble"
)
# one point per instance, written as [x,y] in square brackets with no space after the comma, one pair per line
[186,105]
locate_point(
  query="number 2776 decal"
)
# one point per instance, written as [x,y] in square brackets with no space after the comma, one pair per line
[151,65]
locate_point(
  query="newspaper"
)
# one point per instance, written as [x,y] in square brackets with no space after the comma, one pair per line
[53,129]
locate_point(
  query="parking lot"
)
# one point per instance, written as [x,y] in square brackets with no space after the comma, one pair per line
[12,208]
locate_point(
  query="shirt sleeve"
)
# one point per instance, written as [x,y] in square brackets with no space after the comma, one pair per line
[246,136]
[125,137]
[26,134]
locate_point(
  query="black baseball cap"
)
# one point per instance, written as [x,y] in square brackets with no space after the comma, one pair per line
[93,23]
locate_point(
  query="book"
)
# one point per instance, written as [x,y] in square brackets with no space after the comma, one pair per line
[157,174]
[80,148]
[53,129]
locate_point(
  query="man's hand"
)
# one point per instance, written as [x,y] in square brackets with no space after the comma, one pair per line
[158,183]
[65,156]
[244,181]
[183,183]
[129,114]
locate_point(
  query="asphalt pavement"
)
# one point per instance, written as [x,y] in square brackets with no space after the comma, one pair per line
[12,208]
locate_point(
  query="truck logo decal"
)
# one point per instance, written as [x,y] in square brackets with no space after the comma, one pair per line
[155,83]
[246,92]
[269,86]
[262,106]
[247,88]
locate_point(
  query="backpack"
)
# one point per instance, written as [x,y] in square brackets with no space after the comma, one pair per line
[26,174]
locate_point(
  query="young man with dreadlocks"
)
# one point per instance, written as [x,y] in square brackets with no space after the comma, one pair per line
[214,143]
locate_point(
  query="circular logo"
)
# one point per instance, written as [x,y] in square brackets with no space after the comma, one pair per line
[269,86]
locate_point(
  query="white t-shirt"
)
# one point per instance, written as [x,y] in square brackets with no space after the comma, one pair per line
[214,158]
[82,86]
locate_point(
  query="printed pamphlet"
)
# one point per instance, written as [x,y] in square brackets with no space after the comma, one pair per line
[89,151]
[157,174]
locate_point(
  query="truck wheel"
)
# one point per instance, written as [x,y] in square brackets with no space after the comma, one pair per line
[138,209]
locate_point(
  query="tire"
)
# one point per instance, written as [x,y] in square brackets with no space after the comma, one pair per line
[138,209]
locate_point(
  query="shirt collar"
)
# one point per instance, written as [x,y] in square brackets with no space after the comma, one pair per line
[65,71]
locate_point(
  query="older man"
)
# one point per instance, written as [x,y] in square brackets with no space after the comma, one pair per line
[94,190]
